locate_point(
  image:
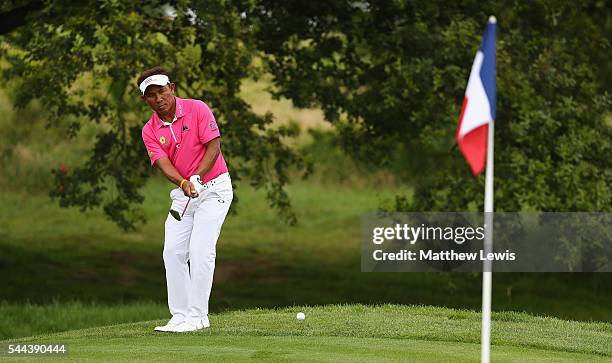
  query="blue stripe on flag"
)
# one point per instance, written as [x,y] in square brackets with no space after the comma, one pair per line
[487,72]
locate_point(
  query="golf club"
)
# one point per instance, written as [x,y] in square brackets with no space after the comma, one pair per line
[176,214]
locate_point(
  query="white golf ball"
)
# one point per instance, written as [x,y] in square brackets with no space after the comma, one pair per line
[300,316]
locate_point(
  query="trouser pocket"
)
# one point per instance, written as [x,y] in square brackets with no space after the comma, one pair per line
[176,193]
[178,200]
[223,192]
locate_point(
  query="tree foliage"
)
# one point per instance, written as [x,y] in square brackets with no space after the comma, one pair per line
[81,60]
[391,76]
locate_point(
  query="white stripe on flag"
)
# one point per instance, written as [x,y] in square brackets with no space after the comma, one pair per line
[478,109]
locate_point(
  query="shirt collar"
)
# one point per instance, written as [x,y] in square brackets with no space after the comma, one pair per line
[179,112]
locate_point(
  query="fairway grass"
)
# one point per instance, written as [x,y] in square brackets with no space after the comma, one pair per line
[344,333]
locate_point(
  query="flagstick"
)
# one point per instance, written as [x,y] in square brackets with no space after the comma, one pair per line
[487,273]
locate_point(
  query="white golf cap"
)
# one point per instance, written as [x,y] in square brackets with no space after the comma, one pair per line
[156,79]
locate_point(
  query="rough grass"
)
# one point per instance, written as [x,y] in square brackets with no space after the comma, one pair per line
[20,320]
[345,333]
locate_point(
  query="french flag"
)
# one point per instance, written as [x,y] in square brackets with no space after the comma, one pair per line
[478,108]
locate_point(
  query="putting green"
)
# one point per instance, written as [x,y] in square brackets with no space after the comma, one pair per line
[344,333]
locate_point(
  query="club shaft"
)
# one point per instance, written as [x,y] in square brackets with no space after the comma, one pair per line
[185,209]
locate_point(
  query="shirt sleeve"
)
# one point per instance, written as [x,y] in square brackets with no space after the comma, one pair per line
[154,149]
[207,125]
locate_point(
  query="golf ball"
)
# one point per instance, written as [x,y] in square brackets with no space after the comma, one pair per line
[300,316]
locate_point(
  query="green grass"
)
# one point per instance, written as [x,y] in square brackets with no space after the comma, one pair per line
[345,333]
[67,254]
[20,320]
[49,253]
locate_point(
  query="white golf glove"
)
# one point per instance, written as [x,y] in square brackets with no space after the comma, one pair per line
[197,182]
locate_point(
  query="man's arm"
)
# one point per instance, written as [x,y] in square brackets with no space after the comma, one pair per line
[213,149]
[175,177]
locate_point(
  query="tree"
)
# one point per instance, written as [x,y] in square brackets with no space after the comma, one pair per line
[391,75]
[81,60]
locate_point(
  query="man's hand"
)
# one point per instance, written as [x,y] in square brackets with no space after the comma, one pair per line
[173,175]
[189,189]
[197,182]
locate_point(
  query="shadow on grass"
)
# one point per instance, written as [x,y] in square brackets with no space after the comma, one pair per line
[114,275]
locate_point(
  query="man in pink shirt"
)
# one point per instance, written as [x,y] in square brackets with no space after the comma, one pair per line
[183,141]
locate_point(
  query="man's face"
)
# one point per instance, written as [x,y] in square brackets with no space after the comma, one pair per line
[160,98]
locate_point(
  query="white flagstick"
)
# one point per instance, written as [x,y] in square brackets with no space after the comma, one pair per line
[487,271]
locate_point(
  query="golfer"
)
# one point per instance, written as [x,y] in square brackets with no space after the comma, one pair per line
[183,141]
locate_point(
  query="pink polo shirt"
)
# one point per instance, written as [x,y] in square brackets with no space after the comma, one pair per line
[183,141]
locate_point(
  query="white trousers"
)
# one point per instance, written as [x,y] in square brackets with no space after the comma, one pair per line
[194,239]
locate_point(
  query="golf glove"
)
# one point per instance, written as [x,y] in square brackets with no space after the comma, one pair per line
[197,182]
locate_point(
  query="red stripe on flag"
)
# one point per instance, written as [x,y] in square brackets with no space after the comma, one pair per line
[474,148]
[473,145]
